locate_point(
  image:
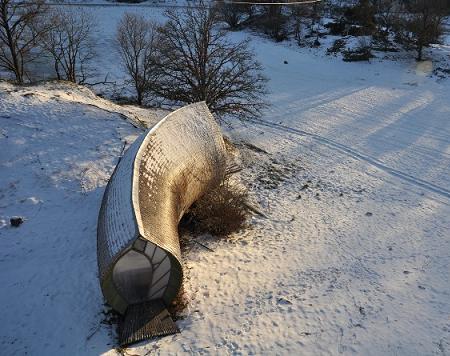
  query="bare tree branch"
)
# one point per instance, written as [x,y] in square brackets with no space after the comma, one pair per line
[69,42]
[20,32]
[199,63]
[421,25]
[136,40]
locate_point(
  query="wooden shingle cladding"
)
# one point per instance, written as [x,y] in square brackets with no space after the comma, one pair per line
[160,175]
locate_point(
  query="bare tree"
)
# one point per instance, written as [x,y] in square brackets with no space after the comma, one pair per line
[199,63]
[69,42]
[233,14]
[300,15]
[385,16]
[422,24]
[137,40]
[385,13]
[20,31]
[271,19]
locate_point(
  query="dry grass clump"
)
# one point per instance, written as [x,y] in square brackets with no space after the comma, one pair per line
[221,211]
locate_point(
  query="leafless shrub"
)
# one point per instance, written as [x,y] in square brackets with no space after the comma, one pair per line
[69,43]
[199,63]
[338,46]
[363,52]
[20,32]
[220,211]
[137,42]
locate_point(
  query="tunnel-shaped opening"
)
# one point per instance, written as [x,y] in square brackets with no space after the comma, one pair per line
[132,276]
[142,276]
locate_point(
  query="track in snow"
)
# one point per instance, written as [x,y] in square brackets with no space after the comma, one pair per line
[357,155]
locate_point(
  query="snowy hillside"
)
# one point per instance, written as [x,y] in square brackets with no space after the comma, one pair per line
[351,164]
[58,147]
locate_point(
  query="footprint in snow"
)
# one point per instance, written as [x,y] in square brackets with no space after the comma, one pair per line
[283,301]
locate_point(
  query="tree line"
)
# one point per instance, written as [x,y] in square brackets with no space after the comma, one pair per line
[411,24]
[29,30]
[187,59]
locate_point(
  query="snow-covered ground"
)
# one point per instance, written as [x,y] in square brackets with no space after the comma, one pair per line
[354,257]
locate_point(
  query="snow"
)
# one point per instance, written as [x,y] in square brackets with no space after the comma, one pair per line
[57,152]
[352,259]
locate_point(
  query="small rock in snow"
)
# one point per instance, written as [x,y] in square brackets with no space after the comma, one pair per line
[16,221]
[362,311]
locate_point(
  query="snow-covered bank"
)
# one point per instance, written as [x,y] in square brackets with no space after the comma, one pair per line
[58,147]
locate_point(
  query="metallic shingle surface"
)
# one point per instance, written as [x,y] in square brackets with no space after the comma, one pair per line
[117,223]
[159,177]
